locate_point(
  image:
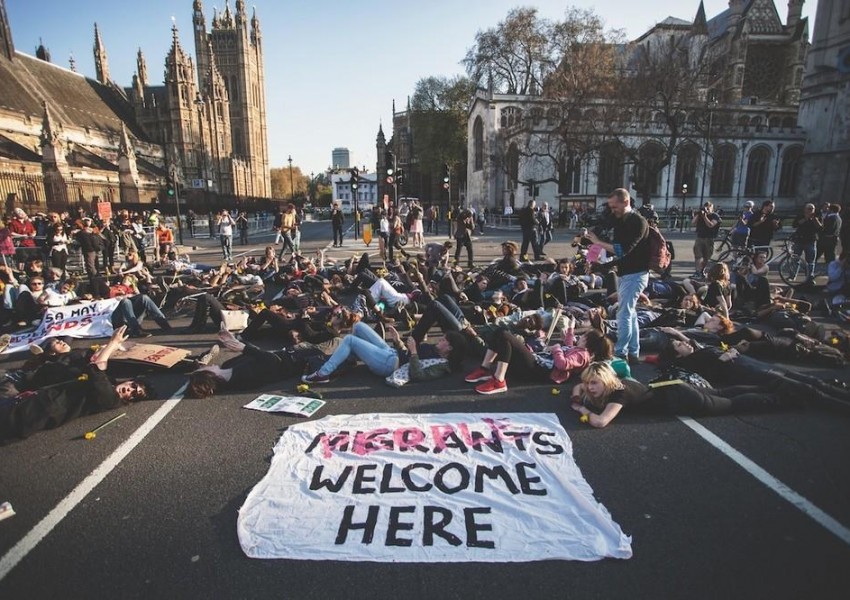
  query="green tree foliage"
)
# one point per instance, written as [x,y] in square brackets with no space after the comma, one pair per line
[438,121]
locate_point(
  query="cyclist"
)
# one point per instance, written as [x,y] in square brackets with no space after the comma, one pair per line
[741,230]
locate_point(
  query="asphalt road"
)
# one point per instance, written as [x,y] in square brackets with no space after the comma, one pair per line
[158,520]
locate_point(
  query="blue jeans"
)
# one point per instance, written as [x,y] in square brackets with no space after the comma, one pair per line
[226,246]
[807,250]
[132,311]
[366,345]
[629,288]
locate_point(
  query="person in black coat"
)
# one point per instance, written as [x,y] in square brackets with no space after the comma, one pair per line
[25,413]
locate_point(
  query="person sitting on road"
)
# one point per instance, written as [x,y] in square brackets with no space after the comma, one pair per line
[382,359]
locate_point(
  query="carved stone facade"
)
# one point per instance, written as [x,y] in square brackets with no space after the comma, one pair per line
[825,107]
[68,139]
[750,93]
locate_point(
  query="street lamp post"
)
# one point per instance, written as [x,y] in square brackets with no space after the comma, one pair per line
[291,181]
[711,106]
[202,171]
[741,175]
[682,216]
[177,204]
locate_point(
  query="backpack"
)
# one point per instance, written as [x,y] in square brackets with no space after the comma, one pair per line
[659,253]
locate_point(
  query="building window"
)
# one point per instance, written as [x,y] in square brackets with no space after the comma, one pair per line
[513,166]
[511,116]
[478,144]
[610,174]
[757,164]
[569,178]
[647,174]
[723,170]
[687,161]
[790,178]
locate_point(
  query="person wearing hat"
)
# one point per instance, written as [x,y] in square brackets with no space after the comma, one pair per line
[741,230]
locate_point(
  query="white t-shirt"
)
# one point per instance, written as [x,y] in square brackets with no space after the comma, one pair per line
[226,225]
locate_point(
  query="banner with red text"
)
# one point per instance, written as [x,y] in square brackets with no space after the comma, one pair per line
[427,488]
[83,320]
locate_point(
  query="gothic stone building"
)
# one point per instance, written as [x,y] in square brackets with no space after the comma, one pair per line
[752,149]
[68,139]
[825,107]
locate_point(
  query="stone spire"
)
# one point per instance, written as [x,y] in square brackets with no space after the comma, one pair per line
[142,69]
[101,64]
[7,47]
[700,25]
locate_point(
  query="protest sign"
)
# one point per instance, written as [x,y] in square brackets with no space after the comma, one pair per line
[83,320]
[151,354]
[427,488]
[296,405]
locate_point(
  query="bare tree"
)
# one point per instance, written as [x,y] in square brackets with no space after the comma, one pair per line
[512,56]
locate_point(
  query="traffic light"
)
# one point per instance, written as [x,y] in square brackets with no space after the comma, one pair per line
[170,187]
[447,176]
[389,163]
[355,177]
[399,176]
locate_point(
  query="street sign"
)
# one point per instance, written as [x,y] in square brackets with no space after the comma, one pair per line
[446,185]
[198,184]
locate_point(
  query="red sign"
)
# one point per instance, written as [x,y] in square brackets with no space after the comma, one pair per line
[104,209]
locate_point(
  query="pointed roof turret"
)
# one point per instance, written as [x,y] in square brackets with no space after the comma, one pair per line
[7,47]
[41,52]
[700,25]
[142,69]
[125,146]
[381,139]
[101,63]
[49,131]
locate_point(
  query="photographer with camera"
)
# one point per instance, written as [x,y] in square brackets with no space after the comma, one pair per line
[707,223]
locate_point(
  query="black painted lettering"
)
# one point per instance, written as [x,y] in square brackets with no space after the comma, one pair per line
[387,480]
[445,472]
[497,472]
[525,481]
[408,480]
[347,524]
[473,527]
[546,447]
[438,528]
[317,483]
[360,477]
[394,526]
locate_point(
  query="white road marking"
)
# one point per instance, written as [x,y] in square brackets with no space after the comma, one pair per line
[19,551]
[796,500]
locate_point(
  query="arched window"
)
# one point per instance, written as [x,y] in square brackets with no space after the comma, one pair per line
[790,178]
[513,166]
[757,164]
[569,176]
[648,169]
[238,145]
[610,171]
[723,170]
[687,162]
[478,144]
[511,116]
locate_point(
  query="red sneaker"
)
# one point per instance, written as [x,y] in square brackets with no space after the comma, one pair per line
[478,375]
[492,386]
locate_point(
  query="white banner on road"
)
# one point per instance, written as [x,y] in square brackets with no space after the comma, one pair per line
[427,488]
[84,320]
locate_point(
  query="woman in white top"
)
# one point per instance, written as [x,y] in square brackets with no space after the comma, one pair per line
[57,243]
[384,234]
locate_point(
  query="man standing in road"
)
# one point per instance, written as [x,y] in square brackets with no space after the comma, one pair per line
[763,225]
[707,223]
[528,224]
[337,220]
[630,247]
[225,233]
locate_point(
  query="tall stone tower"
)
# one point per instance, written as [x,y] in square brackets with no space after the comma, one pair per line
[235,47]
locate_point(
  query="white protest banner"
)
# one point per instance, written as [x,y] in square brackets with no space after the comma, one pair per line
[84,320]
[427,488]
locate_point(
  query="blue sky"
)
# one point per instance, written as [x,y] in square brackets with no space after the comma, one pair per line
[333,67]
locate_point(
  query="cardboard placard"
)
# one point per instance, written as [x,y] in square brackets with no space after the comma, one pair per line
[151,354]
